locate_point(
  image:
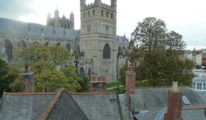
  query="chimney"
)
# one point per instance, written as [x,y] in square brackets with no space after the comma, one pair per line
[29,83]
[174,103]
[98,84]
[130,81]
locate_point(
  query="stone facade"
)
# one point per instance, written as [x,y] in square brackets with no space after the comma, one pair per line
[98,38]
[97,50]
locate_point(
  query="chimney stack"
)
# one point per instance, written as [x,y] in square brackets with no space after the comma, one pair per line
[174,103]
[130,81]
[98,84]
[28,80]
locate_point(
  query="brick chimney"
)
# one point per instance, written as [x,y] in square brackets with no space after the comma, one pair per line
[28,80]
[98,84]
[130,81]
[174,103]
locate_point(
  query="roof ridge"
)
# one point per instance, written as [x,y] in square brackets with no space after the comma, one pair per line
[92,93]
[29,93]
[51,105]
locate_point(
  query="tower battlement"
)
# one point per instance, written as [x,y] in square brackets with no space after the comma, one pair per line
[98,3]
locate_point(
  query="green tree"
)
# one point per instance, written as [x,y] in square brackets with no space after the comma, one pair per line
[160,54]
[159,69]
[44,60]
[7,76]
[76,83]
[56,55]
[150,34]
[18,84]
[50,81]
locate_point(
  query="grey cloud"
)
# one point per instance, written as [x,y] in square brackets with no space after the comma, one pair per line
[15,8]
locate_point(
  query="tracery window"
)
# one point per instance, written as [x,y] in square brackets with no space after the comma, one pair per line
[106,52]
[8,49]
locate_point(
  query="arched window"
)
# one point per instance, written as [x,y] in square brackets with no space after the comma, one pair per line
[68,46]
[8,49]
[106,52]
[82,73]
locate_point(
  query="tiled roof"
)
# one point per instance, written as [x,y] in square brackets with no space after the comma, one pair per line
[99,106]
[40,106]
[12,27]
[23,106]
[153,100]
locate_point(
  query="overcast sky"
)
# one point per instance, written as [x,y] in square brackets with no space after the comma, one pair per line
[187,17]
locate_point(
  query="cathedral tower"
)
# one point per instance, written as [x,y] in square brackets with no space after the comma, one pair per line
[98,37]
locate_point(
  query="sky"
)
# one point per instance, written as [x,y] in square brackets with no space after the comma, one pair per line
[187,17]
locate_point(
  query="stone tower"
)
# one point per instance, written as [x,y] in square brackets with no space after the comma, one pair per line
[98,37]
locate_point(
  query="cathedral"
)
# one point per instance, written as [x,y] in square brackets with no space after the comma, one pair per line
[98,51]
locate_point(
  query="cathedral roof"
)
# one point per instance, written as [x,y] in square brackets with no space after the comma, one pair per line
[10,27]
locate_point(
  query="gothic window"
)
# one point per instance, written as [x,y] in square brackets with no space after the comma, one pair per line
[107,28]
[102,13]
[8,49]
[89,73]
[112,16]
[68,46]
[106,52]
[82,73]
[93,13]
[107,14]
[89,14]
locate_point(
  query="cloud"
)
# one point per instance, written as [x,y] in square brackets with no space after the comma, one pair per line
[15,8]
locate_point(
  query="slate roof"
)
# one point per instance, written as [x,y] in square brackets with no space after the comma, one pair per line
[122,39]
[10,27]
[40,106]
[23,106]
[99,106]
[151,103]
[13,27]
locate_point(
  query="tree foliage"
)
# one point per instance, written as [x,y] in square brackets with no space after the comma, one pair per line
[7,76]
[56,55]
[44,60]
[159,68]
[152,34]
[50,81]
[159,54]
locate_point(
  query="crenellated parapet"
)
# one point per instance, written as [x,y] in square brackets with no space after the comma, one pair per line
[98,3]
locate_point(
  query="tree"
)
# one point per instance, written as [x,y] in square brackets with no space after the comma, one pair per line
[56,55]
[152,34]
[160,54]
[50,81]
[44,60]
[7,76]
